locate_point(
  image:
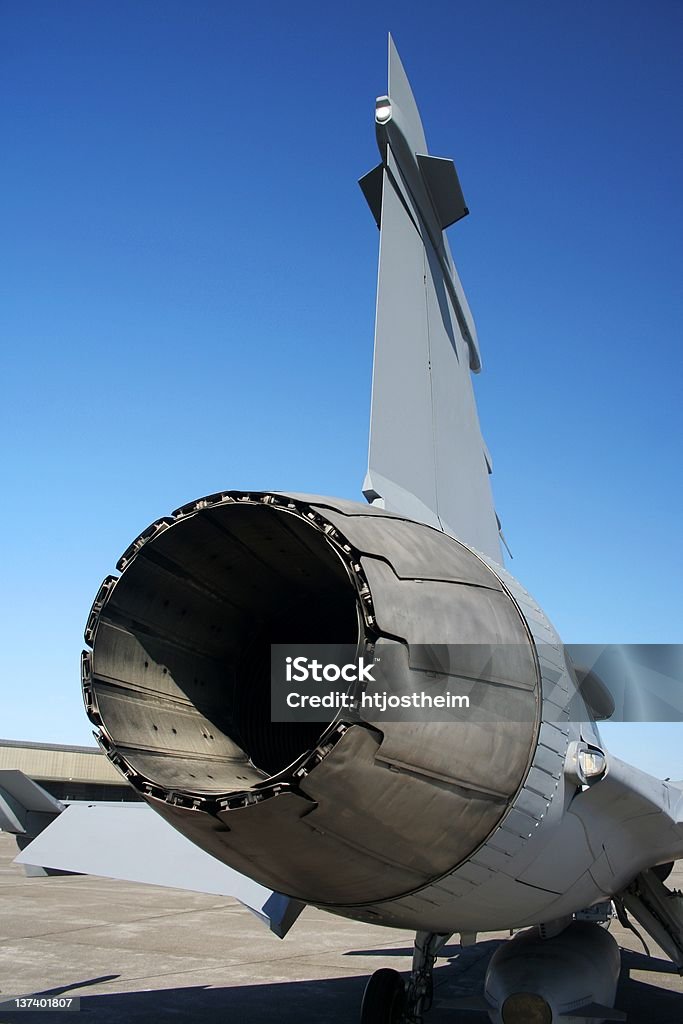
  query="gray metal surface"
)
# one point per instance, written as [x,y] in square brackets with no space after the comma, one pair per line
[180,671]
[426,456]
[574,973]
[338,815]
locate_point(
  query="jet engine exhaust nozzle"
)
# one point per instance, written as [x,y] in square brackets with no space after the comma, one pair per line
[178,685]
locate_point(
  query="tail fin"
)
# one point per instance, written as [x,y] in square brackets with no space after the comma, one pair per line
[427,458]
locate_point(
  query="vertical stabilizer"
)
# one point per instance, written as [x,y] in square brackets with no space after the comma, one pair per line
[427,458]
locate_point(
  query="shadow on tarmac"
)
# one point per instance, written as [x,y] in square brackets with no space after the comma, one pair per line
[337,1000]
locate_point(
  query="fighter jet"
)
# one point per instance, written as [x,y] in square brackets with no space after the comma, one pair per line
[515,817]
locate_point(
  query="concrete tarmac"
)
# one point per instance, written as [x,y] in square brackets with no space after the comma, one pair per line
[146,954]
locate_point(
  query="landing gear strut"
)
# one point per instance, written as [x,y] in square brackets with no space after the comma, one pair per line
[387,1000]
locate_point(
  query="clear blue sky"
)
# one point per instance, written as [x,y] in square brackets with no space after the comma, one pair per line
[188,272]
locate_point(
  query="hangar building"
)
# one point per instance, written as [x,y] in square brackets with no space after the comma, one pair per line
[68,773]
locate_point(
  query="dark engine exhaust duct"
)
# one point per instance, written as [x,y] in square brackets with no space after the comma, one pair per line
[178,685]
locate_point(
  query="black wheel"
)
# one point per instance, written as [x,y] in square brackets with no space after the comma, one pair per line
[662,871]
[384,998]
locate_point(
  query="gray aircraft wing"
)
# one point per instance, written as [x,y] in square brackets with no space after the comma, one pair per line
[427,458]
[128,841]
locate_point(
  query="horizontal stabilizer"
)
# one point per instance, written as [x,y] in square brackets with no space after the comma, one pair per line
[593,1011]
[25,807]
[371,185]
[132,843]
[443,185]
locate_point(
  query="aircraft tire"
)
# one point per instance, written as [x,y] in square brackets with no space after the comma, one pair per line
[384,998]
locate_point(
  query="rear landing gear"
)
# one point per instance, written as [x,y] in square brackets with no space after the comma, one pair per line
[384,998]
[387,1000]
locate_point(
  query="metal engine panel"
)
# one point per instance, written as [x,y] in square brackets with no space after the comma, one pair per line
[178,685]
